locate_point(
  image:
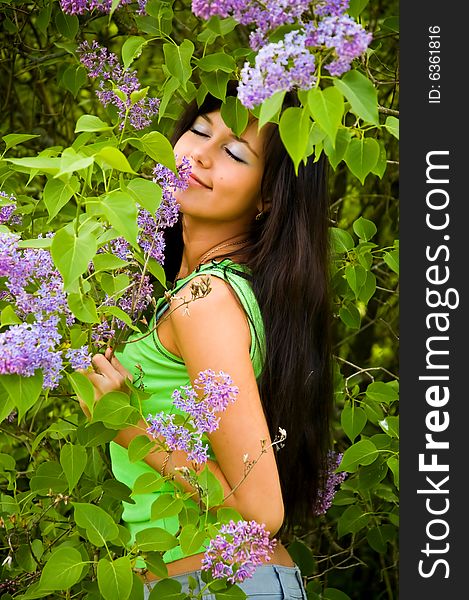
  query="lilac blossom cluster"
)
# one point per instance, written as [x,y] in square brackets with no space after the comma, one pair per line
[324,32]
[35,288]
[80,7]
[332,481]
[116,86]
[279,66]
[267,15]
[210,394]
[7,210]
[238,550]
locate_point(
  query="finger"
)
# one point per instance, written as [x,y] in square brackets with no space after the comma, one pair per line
[102,365]
[115,362]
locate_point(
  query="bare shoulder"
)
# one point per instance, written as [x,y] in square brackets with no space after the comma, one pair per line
[208,302]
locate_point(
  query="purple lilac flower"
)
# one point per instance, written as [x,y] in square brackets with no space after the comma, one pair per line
[345,36]
[80,358]
[332,481]
[278,66]
[238,550]
[216,391]
[102,334]
[80,7]
[334,8]
[138,296]
[26,347]
[116,86]
[35,288]
[7,215]
[266,15]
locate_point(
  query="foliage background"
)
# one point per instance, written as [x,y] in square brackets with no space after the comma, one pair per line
[353,550]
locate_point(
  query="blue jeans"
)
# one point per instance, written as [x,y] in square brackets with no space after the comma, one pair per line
[273,582]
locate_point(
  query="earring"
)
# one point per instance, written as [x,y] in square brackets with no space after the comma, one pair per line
[259,215]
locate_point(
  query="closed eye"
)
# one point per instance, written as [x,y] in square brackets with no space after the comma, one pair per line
[234,157]
[198,132]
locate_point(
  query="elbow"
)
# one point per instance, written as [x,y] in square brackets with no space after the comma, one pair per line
[270,514]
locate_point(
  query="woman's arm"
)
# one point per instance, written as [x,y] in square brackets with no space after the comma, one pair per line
[215,335]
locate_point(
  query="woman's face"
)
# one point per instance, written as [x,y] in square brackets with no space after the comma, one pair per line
[225,183]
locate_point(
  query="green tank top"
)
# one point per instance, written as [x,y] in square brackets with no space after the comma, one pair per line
[163,372]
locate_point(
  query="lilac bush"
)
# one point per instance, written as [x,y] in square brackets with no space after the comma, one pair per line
[8,207]
[80,7]
[332,481]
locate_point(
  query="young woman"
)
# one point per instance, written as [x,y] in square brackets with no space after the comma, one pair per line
[261,233]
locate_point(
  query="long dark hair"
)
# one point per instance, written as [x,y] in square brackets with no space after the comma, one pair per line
[288,256]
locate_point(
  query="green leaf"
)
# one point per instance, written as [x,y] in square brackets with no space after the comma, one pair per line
[39,163]
[303,557]
[333,593]
[381,166]
[35,243]
[155,539]
[94,434]
[166,505]
[392,260]
[13,139]
[74,78]
[72,254]
[131,49]
[294,129]
[270,108]
[390,425]
[235,115]
[216,83]
[148,193]
[83,388]
[368,288]
[354,10]
[379,391]
[178,60]
[49,477]
[168,93]
[120,210]
[115,159]
[232,593]
[107,262]
[100,527]
[83,307]
[191,539]
[353,420]
[327,108]
[212,491]
[393,464]
[352,520]
[157,147]
[217,61]
[67,25]
[363,452]
[139,447]
[378,537]
[392,125]
[7,404]
[350,316]
[155,563]
[364,228]
[57,193]
[73,459]
[9,317]
[361,157]
[361,94]
[167,589]
[62,570]
[342,241]
[24,391]
[91,123]
[115,578]
[356,277]
[114,410]
[147,483]
[71,161]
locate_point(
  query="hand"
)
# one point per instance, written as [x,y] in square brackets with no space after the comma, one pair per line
[109,375]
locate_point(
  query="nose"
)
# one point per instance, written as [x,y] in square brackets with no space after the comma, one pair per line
[201,154]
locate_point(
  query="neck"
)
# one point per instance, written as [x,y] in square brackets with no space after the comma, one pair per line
[199,242]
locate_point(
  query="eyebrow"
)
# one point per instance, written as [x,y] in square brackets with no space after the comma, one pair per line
[239,139]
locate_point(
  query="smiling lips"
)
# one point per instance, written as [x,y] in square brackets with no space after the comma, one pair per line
[198,182]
